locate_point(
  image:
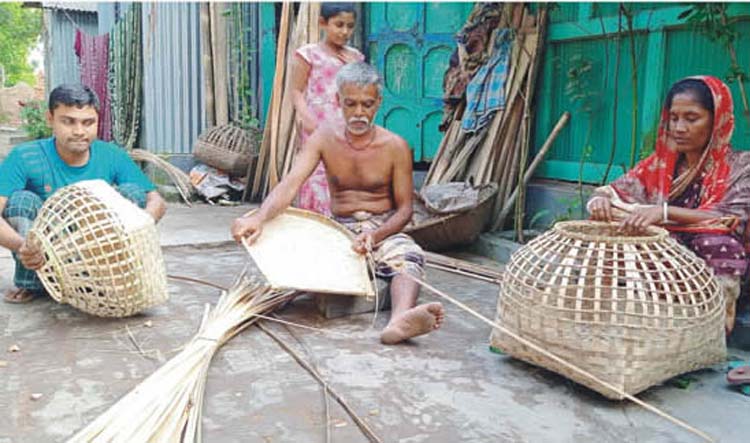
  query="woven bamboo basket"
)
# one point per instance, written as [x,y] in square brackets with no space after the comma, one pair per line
[227,147]
[442,232]
[306,251]
[102,251]
[633,311]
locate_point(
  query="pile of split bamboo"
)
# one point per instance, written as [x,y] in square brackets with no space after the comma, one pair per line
[167,406]
[280,136]
[498,152]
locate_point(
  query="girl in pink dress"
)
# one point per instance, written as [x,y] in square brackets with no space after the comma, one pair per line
[314,69]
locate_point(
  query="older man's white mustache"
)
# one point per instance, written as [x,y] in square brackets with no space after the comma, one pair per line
[364,120]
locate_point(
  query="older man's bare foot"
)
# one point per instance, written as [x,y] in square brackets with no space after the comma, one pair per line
[412,323]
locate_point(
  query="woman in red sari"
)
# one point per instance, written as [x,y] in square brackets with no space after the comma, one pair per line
[693,184]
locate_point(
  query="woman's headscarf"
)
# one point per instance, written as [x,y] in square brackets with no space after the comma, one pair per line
[655,173]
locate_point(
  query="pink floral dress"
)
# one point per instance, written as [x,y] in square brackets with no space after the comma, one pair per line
[320,96]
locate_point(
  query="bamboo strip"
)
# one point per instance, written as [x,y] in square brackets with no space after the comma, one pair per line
[278,79]
[464,266]
[363,426]
[208,64]
[180,179]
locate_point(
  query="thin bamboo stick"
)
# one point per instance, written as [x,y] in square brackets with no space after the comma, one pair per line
[471,269]
[363,426]
[180,179]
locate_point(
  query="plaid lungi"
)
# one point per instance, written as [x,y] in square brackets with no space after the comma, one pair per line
[394,255]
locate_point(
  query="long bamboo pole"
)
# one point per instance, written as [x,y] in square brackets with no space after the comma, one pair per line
[530,170]
[278,81]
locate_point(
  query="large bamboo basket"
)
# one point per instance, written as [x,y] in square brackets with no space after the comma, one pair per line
[102,251]
[441,232]
[633,311]
[228,147]
[306,251]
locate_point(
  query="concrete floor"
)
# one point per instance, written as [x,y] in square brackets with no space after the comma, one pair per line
[445,387]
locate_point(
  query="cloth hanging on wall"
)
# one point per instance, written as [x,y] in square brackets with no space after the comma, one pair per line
[485,93]
[474,45]
[93,58]
[126,77]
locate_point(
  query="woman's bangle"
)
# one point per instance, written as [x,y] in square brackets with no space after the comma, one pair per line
[664,213]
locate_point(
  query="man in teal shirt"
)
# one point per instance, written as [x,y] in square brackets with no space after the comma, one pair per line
[35,170]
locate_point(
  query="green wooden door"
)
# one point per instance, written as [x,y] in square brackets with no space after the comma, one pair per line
[410,45]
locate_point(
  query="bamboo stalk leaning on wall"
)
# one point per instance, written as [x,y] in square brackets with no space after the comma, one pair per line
[280,134]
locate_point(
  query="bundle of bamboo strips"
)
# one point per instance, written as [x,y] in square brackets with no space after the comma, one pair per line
[494,154]
[167,405]
[180,179]
[280,135]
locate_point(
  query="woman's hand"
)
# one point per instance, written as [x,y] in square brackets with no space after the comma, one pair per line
[641,218]
[600,209]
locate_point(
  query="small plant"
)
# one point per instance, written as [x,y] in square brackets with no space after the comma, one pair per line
[712,21]
[33,120]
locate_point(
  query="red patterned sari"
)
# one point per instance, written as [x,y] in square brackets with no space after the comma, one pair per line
[719,183]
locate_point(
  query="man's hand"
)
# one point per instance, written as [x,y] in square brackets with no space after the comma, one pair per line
[600,209]
[363,243]
[640,219]
[31,256]
[248,228]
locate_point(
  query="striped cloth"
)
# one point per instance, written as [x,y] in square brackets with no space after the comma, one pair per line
[93,56]
[396,254]
[485,92]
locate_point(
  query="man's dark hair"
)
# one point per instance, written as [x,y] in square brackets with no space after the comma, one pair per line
[73,94]
[332,9]
[697,88]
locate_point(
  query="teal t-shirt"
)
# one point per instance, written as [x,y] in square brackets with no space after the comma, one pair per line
[36,166]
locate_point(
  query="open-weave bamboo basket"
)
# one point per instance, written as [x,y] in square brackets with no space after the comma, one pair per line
[227,147]
[102,251]
[633,311]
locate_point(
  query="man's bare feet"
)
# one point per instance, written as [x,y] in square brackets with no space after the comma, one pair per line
[17,295]
[416,321]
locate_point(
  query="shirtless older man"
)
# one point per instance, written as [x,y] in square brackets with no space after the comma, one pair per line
[369,171]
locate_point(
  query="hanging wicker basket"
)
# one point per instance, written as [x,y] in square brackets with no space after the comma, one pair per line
[633,311]
[228,147]
[102,251]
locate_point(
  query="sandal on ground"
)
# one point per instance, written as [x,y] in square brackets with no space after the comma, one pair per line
[18,295]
